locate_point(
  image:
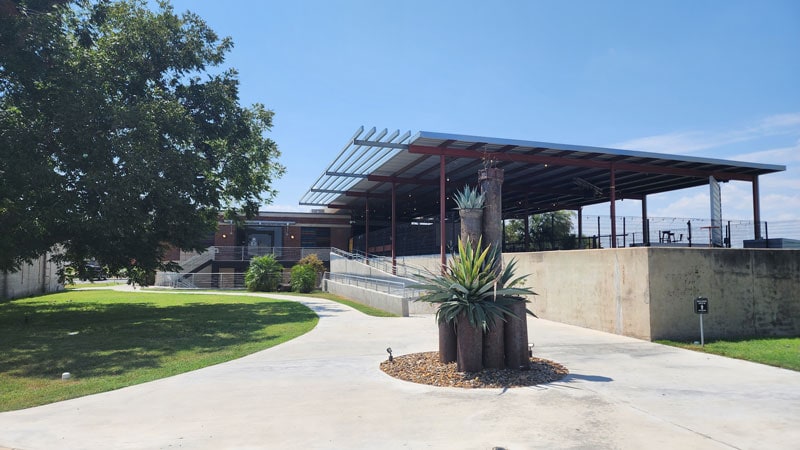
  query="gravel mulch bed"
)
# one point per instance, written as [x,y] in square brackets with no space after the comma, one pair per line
[425,368]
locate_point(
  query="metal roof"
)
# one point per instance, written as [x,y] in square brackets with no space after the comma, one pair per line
[539,176]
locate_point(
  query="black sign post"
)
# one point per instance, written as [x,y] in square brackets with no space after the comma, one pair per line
[701,309]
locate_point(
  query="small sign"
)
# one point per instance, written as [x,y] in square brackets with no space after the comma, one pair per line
[701,305]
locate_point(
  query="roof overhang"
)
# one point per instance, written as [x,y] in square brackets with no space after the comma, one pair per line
[539,176]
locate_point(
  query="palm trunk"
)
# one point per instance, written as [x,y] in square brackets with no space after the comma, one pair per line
[470,345]
[493,347]
[516,338]
[448,351]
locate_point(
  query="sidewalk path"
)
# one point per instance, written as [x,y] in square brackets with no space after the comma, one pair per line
[324,390]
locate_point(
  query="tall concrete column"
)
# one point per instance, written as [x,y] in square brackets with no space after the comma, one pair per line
[508,340]
[491,181]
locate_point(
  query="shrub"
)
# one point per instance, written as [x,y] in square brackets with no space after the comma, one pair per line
[313,261]
[264,274]
[304,277]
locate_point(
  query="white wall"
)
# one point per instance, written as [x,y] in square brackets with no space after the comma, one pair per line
[36,278]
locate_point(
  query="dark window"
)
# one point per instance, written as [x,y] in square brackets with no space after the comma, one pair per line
[315,237]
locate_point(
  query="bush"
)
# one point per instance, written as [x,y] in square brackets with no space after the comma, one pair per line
[313,261]
[264,274]
[304,277]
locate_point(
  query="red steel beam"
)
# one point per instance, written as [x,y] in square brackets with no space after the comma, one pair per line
[541,159]
[366,194]
[398,180]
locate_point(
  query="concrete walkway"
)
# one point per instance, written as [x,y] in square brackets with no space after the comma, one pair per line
[324,390]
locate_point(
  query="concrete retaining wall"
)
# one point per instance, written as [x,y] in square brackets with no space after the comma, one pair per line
[36,278]
[751,292]
[600,289]
[648,293]
[380,300]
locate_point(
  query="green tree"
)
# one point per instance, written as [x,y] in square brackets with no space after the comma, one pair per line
[304,277]
[264,274]
[120,133]
[547,231]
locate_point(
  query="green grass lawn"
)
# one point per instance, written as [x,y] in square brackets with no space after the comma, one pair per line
[368,310]
[779,352]
[108,339]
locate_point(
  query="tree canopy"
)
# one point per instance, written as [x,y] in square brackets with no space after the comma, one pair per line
[547,231]
[121,133]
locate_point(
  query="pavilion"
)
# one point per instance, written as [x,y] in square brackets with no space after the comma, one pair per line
[382,177]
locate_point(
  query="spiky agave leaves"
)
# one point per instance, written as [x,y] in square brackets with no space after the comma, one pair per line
[468,285]
[469,198]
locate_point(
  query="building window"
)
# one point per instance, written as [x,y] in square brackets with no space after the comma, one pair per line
[315,237]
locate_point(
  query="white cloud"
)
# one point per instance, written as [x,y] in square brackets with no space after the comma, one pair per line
[692,141]
[778,124]
[676,143]
[784,154]
[779,192]
[690,203]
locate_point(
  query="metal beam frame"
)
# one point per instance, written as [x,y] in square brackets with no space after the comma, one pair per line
[575,162]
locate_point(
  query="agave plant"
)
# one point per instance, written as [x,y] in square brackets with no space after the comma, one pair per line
[469,198]
[469,286]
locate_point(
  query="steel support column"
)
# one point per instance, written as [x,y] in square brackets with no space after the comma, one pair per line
[613,195]
[366,230]
[527,240]
[756,210]
[580,227]
[645,223]
[394,230]
[442,230]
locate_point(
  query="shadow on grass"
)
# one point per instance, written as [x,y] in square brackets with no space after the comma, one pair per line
[41,339]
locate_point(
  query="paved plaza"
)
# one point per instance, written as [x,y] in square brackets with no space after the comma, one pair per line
[324,390]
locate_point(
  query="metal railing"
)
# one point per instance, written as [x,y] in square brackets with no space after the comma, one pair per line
[629,231]
[373,284]
[223,280]
[188,265]
[383,263]
[246,253]
[694,232]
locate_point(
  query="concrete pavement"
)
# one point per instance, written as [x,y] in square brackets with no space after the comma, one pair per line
[324,390]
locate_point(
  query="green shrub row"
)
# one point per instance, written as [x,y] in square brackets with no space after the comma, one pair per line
[265,274]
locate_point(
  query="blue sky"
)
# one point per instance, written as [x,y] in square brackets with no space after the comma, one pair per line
[718,79]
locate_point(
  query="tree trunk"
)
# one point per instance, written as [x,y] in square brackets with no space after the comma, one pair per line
[493,348]
[516,338]
[448,351]
[470,345]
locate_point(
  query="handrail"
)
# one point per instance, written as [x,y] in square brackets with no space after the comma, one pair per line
[197,260]
[375,284]
[382,263]
[245,253]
